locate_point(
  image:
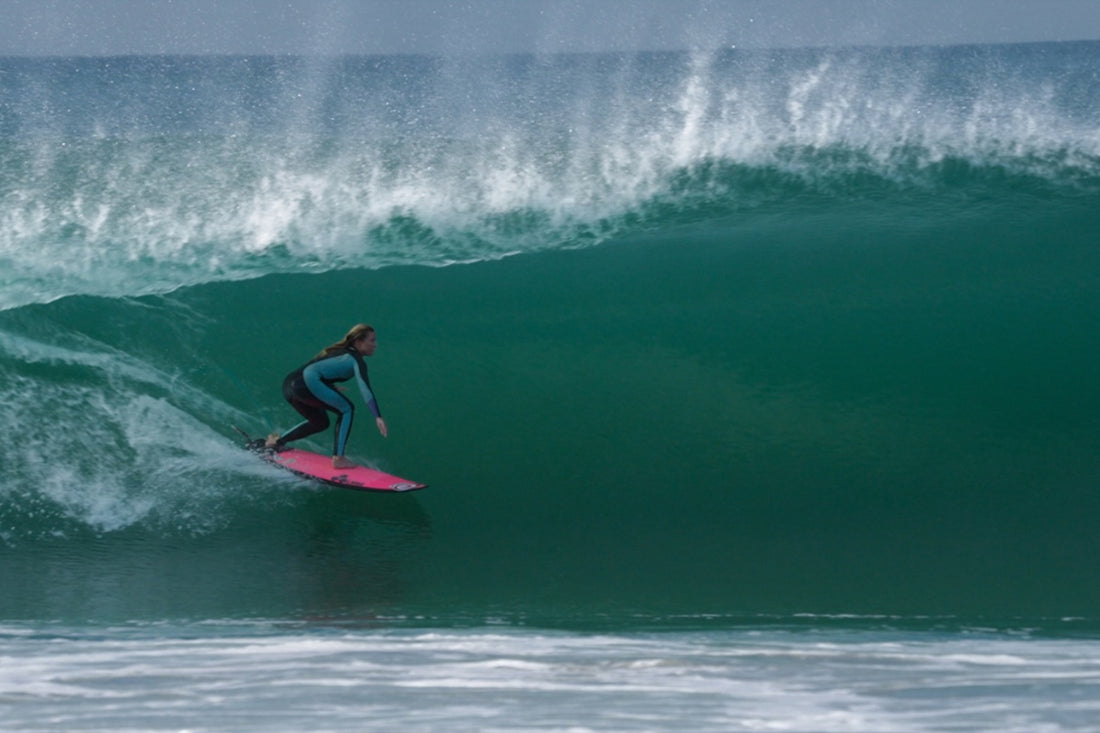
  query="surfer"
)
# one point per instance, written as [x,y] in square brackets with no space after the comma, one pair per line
[310,390]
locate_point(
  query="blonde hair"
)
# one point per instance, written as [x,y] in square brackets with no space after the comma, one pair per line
[358,331]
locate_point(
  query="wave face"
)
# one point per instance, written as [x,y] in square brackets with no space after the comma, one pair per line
[834,353]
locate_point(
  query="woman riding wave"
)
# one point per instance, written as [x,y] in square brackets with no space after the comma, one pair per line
[310,390]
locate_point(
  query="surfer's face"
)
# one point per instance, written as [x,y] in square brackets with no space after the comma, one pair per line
[365,344]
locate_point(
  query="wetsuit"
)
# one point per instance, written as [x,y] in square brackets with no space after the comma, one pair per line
[309,390]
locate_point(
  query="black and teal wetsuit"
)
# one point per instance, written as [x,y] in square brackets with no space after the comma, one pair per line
[309,390]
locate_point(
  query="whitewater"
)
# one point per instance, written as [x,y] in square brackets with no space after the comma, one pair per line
[129,176]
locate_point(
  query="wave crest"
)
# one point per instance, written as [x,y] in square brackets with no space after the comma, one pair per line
[307,165]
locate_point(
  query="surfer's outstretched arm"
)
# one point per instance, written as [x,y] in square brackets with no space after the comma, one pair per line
[367,393]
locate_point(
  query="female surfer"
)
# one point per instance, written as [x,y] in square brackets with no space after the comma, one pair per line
[309,390]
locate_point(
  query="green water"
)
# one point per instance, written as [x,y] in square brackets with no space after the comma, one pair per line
[883,419]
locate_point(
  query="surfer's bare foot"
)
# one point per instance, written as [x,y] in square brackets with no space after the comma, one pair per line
[272,440]
[341,462]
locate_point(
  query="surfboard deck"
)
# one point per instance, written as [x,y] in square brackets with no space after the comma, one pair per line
[319,468]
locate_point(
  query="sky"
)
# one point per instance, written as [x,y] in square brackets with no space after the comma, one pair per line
[121,27]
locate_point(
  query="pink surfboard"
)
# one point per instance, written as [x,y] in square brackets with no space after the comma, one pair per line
[319,468]
[315,466]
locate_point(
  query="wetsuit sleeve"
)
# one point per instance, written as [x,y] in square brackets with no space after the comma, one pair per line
[364,386]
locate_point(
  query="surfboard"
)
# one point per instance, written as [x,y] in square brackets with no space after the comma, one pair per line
[319,468]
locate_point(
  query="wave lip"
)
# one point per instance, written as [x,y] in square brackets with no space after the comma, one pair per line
[376,162]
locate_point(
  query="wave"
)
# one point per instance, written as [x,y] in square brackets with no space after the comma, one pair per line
[856,415]
[234,168]
[838,333]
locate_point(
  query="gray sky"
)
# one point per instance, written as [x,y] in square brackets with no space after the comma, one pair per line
[100,27]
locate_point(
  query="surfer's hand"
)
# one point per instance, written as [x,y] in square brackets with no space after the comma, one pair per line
[382,427]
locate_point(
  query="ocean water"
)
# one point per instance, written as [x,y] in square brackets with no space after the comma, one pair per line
[755,390]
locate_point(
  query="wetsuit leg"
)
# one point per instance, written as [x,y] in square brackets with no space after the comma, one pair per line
[339,404]
[308,406]
[316,420]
